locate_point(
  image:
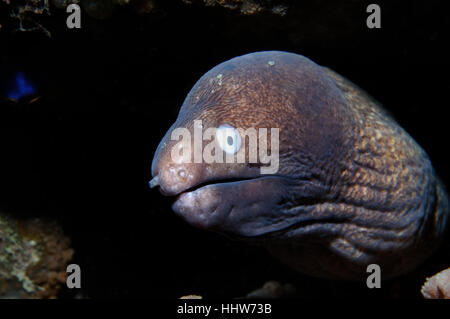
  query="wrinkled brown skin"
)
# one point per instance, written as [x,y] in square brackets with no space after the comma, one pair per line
[353,188]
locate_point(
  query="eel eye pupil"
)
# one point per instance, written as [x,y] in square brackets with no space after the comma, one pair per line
[228,138]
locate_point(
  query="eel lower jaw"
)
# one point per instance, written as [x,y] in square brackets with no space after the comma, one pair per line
[208,205]
[245,207]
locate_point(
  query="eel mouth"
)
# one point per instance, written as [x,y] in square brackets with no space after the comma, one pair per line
[211,197]
[155,182]
[218,182]
[240,205]
[209,204]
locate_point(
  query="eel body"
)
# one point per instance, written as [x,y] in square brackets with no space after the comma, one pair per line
[352,188]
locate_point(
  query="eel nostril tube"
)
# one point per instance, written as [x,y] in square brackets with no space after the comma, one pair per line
[154,182]
[182,173]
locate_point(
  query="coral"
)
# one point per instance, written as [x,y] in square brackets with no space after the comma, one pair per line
[27,12]
[34,255]
[103,9]
[21,10]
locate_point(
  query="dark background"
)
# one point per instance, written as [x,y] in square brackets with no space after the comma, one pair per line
[82,153]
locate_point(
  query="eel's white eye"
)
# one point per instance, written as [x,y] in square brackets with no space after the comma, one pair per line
[228,138]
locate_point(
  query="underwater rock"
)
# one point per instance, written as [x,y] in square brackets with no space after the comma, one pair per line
[62,4]
[99,9]
[438,286]
[24,12]
[191,297]
[247,7]
[144,6]
[271,290]
[103,9]
[34,255]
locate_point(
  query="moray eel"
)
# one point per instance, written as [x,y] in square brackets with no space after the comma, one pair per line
[352,187]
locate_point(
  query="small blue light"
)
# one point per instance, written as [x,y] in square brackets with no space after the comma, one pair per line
[22,87]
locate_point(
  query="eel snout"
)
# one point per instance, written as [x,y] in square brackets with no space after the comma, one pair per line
[225,197]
